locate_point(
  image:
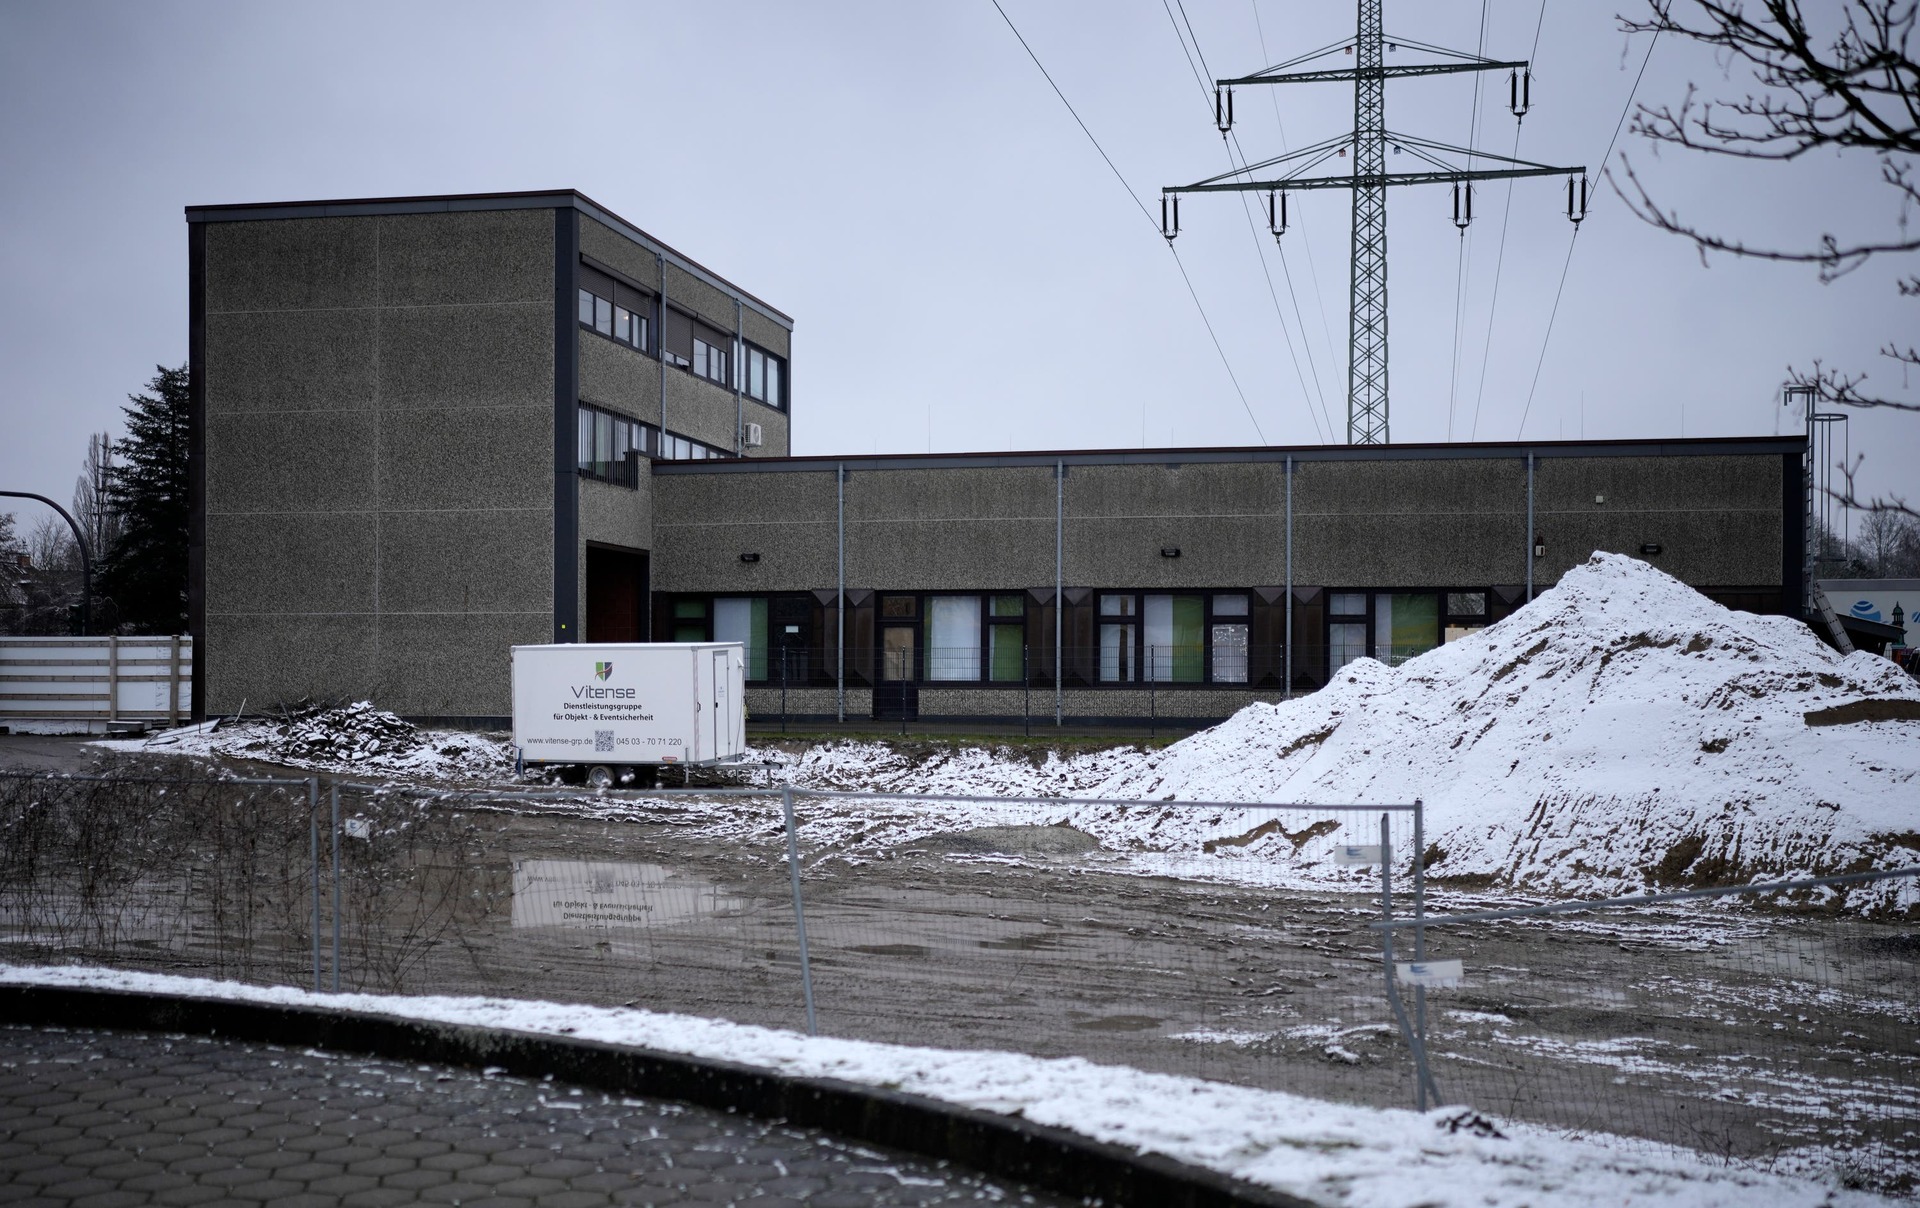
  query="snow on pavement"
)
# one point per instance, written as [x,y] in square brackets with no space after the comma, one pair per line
[1329,1153]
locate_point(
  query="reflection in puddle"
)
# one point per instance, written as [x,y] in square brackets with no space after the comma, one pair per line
[597,895]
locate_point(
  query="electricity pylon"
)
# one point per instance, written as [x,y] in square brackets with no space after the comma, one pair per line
[1369,180]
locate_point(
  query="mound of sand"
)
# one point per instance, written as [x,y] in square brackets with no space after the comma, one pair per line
[1621,731]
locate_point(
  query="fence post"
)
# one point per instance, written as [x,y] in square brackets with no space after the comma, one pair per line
[1026,680]
[799,911]
[784,659]
[336,886]
[1420,915]
[1422,1080]
[313,846]
[173,681]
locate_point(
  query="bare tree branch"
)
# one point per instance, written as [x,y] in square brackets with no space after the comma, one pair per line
[1847,496]
[1835,260]
[1859,93]
[1841,389]
[1853,88]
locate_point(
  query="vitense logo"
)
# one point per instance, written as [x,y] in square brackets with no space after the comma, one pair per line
[589,692]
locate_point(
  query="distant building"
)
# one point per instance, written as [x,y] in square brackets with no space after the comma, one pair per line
[429,429]
[1874,612]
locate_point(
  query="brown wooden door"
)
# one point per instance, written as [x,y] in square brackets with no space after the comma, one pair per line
[616,595]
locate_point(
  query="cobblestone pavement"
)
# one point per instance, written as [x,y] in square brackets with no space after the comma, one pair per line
[109,1119]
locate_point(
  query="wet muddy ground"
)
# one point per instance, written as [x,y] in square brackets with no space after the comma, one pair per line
[1788,1040]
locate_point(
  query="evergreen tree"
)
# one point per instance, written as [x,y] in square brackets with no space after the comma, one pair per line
[145,571]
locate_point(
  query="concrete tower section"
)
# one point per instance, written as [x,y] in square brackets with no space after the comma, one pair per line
[396,404]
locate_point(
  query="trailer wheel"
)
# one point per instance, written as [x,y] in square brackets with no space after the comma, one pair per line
[599,776]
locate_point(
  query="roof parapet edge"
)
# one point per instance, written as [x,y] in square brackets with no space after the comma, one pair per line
[1681,447]
[471,202]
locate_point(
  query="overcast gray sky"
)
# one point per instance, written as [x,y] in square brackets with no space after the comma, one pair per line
[964,270]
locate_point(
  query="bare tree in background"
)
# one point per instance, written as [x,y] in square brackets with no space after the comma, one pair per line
[93,499]
[46,591]
[1888,546]
[1850,86]
[13,568]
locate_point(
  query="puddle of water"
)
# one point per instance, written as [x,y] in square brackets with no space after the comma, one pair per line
[1038,941]
[1119,1023]
[597,896]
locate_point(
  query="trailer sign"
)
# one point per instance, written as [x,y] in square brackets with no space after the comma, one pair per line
[631,703]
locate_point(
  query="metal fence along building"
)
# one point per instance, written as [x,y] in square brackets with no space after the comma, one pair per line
[429,429]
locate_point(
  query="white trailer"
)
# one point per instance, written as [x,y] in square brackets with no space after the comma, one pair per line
[610,706]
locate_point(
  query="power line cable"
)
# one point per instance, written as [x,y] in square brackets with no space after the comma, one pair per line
[1313,271]
[1500,260]
[1306,344]
[1463,258]
[1234,378]
[1575,240]
[1258,246]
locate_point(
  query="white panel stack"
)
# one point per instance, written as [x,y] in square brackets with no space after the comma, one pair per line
[95,682]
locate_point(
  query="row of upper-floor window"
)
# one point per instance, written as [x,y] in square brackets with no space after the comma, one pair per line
[1109,637]
[638,320]
[611,446]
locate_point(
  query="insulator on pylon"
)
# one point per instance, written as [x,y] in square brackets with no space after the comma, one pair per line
[1462,206]
[1276,214]
[1223,110]
[1166,228]
[1576,199]
[1520,93]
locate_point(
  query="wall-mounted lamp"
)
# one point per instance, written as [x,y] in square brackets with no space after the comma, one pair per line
[749,557]
[1650,548]
[1169,551]
[1539,548]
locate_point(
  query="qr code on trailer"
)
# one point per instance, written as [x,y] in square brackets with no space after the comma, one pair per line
[603,742]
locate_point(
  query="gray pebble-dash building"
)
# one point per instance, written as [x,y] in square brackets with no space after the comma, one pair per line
[429,429]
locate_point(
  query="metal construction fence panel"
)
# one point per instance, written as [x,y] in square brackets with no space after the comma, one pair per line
[1271,945]
[994,923]
[1757,1024]
[213,876]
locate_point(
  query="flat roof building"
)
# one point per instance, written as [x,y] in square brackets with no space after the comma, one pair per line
[429,429]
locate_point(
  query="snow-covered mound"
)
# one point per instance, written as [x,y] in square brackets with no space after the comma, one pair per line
[1619,732]
[934,767]
[356,738]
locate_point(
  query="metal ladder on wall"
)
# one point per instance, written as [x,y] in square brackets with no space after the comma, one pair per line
[1836,633]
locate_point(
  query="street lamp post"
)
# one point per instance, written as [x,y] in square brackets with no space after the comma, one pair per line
[86,556]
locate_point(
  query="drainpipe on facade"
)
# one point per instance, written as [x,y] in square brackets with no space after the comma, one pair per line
[1059,583]
[840,596]
[1529,526]
[1286,693]
[739,408]
[660,340]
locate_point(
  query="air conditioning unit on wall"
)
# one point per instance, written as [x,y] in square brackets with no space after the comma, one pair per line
[754,437]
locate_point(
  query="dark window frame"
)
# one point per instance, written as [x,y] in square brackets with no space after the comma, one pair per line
[695,362]
[802,674]
[1370,615]
[614,304]
[749,349]
[643,440]
[1138,619]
